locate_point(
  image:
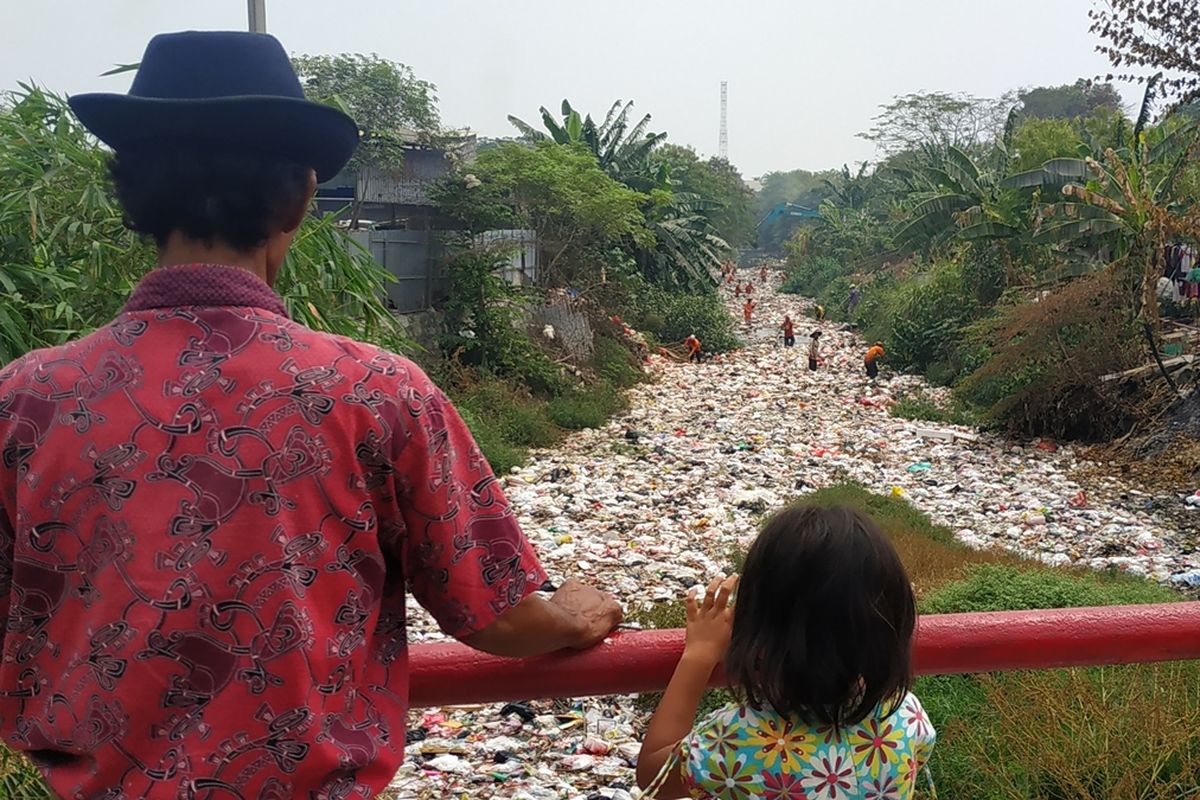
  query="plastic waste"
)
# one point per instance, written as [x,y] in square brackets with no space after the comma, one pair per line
[654,502]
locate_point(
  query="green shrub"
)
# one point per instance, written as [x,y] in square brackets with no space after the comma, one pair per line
[929,314]
[500,453]
[921,406]
[703,315]
[999,587]
[876,307]
[835,299]
[670,317]
[586,408]
[521,420]
[810,275]
[19,779]
[1059,734]
[615,364]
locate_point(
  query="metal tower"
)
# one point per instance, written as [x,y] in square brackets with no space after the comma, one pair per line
[723,147]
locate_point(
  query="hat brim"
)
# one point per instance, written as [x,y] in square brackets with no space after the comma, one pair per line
[312,134]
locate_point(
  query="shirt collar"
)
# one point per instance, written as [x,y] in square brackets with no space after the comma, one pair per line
[203,285]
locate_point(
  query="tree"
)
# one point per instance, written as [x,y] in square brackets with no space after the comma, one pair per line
[560,192]
[717,182]
[684,244]
[1039,140]
[1126,201]
[621,151]
[385,98]
[798,186]
[1069,101]
[956,198]
[1153,35]
[938,120]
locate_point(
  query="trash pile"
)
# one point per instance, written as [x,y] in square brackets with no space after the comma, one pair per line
[653,504]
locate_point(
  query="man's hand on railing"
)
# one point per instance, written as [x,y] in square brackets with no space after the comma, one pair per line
[576,617]
[597,613]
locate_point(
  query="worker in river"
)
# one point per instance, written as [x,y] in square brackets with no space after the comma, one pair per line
[871,360]
[762,275]
[693,346]
[748,310]
[814,350]
[749,288]
[789,331]
[737,290]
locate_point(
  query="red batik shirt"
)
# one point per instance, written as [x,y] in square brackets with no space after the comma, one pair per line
[209,515]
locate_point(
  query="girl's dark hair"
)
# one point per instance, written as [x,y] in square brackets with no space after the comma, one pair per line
[823,624]
[237,198]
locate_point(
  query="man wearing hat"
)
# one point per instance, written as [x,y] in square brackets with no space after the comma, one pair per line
[210,514]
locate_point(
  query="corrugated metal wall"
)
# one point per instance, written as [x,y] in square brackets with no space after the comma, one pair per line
[413,258]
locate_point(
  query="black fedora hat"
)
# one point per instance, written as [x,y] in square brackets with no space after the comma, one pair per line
[221,87]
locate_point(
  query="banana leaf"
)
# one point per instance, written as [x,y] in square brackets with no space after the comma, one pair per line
[989,230]
[557,132]
[943,204]
[574,126]
[526,130]
[1182,137]
[1076,229]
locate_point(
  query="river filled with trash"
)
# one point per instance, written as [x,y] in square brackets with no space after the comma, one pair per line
[655,502]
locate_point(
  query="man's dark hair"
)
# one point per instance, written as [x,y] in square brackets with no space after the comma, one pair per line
[824,618]
[211,195]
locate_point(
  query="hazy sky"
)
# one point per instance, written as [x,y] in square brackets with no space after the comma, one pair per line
[804,77]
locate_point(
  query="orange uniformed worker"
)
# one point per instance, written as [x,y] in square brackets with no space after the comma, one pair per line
[871,360]
[693,346]
[748,310]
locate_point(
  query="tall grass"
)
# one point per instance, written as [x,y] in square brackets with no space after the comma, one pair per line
[67,262]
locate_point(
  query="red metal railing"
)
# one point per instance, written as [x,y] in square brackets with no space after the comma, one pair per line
[449,674]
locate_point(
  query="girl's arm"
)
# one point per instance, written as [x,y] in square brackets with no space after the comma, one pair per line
[708,629]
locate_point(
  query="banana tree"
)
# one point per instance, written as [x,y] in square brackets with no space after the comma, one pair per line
[1129,208]
[958,200]
[687,247]
[623,152]
[1124,202]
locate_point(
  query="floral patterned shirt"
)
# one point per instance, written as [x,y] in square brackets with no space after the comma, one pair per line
[209,516]
[739,753]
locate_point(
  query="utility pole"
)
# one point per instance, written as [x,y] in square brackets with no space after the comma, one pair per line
[723,147]
[256,10]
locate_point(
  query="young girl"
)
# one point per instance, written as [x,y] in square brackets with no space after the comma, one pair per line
[818,648]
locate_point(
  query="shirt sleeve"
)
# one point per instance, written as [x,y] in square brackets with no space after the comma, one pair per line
[919,729]
[7,545]
[466,558]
